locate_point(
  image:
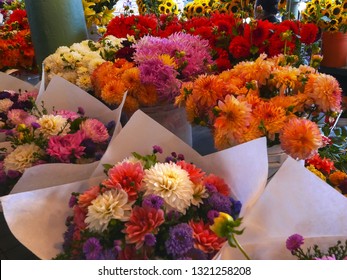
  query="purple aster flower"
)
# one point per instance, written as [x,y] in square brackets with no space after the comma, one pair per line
[220,203]
[117,246]
[294,242]
[92,249]
[174,154]
[108,254]
[196,254]
[110,125]
[157,149]
[80,111]
[150,240]
[180,240]
[5,94]
[236,207]
[68,236]
[170,159]
[153,201]
[35,125]
[180,157]
[90,147]
[173,215]
[210,188]
[211,215]
[72,201]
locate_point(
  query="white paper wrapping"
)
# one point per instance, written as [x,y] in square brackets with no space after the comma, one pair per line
[37,218]
[12,83]
[294,201]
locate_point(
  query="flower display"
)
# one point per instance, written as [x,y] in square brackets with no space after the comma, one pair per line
[336,252]
[230,38]
[329,15]
[148,209]
[155,76]
[266,97]
[16,48]
[37,137]
[157,7]
[77,62]
[98,12]
[15,108]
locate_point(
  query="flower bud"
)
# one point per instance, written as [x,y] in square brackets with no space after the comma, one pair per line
[221,224]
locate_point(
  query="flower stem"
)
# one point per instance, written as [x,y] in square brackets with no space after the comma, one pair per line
[238,245]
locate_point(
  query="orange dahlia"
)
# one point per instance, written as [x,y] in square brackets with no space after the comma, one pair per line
[85,199]
[112,93]
[204,238]
[325,91]
[300,138]
[337,178]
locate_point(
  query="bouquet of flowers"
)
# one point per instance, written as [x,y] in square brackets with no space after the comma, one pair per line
[40,137]
[266,97]
[16,48]
[147,209]
[160,65]
[77,62]
[329,15]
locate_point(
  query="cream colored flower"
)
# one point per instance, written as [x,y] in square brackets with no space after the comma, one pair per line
[170,182]
[112,204]
[22,157]
[2,124]
[199,194]
[5,104]
[53,125]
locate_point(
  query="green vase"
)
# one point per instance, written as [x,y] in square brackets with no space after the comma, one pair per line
[55,23]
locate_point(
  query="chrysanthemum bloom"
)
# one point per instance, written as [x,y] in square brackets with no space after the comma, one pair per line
[53,125]
[180,240]
[204,238]
[325,91]
[143,220]
[126,175]
[113,91]
[294,242]
[112,204]
[218,183]
[85,198]
[170,182]
[66,148]
[19,116]
[22,157]
[95,130]
[300,138]
[5,105]
[337,177]
[70,115]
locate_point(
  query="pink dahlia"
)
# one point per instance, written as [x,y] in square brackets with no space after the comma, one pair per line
[95,130]
[66,148]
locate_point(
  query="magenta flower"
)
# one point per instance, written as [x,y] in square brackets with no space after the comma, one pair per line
[95,130]
[19,116]
[294,242]
[66,148]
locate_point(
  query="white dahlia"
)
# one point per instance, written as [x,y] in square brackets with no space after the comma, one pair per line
[53,125]
[170,182]
[22,157]
[112,204]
